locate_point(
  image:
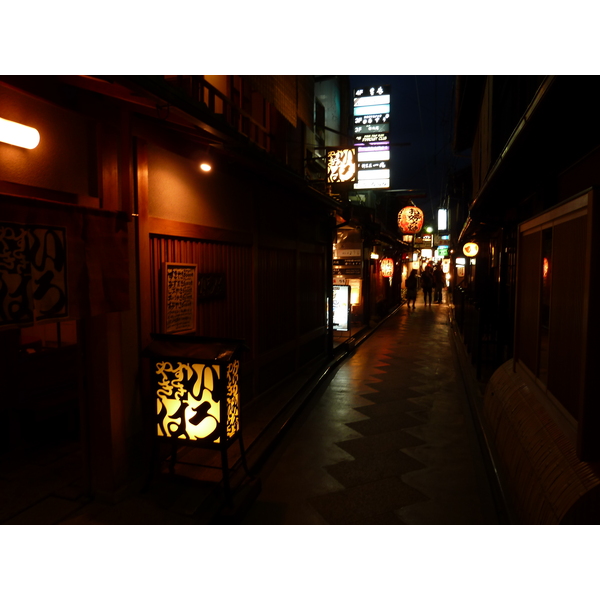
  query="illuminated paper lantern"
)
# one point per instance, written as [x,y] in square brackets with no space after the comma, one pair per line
[470,249]
[195,384]
[387,267]
[410,219]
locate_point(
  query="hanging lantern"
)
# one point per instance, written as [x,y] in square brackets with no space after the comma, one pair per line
[470,249]
[387,267]
[410,219]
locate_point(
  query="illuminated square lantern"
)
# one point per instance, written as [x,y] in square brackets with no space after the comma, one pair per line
[196,391]
[196,383]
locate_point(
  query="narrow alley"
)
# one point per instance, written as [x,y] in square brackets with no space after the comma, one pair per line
[389,440]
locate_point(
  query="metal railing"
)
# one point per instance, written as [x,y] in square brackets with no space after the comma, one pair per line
[199,90]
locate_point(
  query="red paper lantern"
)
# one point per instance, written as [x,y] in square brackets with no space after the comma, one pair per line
[410,219]
[387,267]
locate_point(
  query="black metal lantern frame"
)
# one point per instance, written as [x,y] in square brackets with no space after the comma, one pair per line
[195,382]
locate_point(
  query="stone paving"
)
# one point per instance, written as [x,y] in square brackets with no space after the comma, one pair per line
[389,440]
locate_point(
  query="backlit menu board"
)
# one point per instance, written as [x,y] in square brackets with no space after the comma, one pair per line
[341,307]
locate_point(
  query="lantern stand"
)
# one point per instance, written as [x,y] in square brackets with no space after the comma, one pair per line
[195,383]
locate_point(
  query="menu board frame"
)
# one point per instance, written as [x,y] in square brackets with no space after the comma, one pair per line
[185,305]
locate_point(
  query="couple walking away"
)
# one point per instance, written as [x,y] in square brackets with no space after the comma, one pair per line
[430,278]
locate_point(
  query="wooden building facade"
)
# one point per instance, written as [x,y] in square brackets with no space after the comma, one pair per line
[91,218]
[535,147]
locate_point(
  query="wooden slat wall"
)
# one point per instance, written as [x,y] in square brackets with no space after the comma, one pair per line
[231,317]
[276,296]
[275,301]
[311,295]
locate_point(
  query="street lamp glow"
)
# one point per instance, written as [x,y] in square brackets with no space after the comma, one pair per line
[206,167]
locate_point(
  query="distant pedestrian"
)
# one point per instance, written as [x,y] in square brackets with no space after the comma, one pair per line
[427,284]
[411,288]
[438,280]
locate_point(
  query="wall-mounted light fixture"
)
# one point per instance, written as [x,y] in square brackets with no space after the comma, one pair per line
[206,162]
[18,135]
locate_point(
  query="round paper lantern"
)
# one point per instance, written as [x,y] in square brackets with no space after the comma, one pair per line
[470,249]
[410,219]
[387,267]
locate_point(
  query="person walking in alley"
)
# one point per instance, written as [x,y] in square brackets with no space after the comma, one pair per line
[411,288]
[438,280]
[427,284]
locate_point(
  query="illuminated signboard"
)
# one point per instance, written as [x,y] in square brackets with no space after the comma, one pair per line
[374,153]
[341,307]
[364,126]
[341,165]
[372,109]
[442,219]
[371,136]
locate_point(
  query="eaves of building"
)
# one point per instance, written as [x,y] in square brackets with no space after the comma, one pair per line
[559,127]
[156,101]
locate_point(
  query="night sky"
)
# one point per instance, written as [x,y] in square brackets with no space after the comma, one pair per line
[422,112]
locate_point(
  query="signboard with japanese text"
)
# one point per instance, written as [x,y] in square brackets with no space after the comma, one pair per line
[341,165]
[344,252]
[371,136]
[179,297]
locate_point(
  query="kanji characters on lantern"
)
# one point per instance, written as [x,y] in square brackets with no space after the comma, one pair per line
[410,219]
[387,267]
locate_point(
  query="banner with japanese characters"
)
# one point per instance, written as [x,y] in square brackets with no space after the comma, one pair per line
[33,279]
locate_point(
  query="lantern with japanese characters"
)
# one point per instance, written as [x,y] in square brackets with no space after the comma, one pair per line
[410,219]
[470,249]
[387,267]
[196,389]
